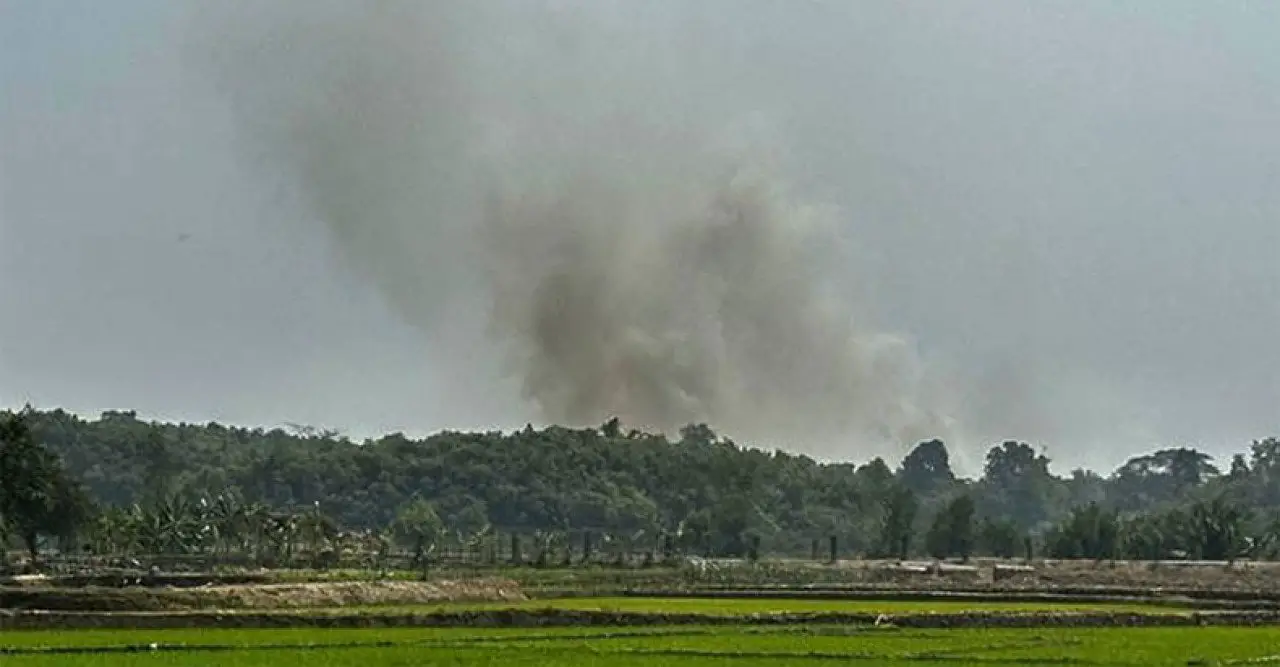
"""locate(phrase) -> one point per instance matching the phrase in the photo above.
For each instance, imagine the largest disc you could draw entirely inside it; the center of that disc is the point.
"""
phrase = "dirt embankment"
(130, 578)
(268, 596)
(1054, 575)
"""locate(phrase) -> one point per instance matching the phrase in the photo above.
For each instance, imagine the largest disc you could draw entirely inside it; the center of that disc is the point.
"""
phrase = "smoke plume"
(596, 184)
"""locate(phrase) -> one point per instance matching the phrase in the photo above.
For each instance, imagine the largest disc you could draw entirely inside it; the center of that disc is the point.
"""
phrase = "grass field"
(739, 646)
(734, 642)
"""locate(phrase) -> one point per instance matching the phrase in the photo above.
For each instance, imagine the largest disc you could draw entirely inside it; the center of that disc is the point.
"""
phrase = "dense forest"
(700, 493)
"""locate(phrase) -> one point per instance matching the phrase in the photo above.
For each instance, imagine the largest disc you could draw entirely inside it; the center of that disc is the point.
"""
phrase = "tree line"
(120, 485)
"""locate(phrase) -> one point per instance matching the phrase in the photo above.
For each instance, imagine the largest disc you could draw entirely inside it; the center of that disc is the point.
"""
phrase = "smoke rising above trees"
(627, 238)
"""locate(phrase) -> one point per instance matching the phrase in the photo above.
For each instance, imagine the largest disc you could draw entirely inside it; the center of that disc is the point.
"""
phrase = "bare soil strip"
(127, 578)
(268, 596)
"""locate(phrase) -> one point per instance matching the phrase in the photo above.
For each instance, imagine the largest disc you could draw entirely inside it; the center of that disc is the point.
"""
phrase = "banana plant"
(228, 521)
(168, 526)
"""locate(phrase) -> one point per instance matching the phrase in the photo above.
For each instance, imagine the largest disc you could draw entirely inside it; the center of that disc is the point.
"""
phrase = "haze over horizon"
(1055, 223)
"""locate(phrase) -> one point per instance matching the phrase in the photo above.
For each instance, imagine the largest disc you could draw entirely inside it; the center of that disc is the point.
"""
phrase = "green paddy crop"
(734, 645)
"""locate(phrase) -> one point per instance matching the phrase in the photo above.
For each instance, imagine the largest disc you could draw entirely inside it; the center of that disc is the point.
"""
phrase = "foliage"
(952, 531)
(1162, 476)
(37, 498)
(6, 535)
(1215, 529)
(228, 492)
(1018, 485)
(418, 527)
(927, 469)
(743, 644)
(1090, 532)
(999, 537)
(897, 527)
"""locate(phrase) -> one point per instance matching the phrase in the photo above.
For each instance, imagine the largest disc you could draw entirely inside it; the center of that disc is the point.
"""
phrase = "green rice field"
(691, 645)
(697, 643)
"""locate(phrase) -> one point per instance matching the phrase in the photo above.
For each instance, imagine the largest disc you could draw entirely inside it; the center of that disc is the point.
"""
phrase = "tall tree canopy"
(701, 491)
(927, 468)
(37, 498)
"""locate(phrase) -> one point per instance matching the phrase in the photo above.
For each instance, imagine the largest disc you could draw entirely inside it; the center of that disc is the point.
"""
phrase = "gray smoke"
(595, 186)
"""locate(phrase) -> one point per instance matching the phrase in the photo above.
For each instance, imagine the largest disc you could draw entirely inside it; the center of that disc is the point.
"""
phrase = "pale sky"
(1072, 207)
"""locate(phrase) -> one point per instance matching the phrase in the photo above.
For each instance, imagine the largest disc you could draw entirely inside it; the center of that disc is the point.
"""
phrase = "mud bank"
(268, 596)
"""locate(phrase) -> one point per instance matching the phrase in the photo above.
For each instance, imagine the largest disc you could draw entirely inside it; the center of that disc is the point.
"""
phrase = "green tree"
(37, 497)
(1145, 537)
(160, 469)
(1239, 468)
(6, 536)
(1216, 529)
(611, 428)
(899, 508)
(999, 537)
(1018, 484)
(1264, 466)
(926, 470)
(731, 518)
(1162, 476)
(693, 534)
(419, 527)
(952, 531)
(1266, 539)
(605, 482)
(1089, 532)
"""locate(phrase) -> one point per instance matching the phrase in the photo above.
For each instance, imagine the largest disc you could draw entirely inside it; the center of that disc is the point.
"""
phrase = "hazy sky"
(1070, 208)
